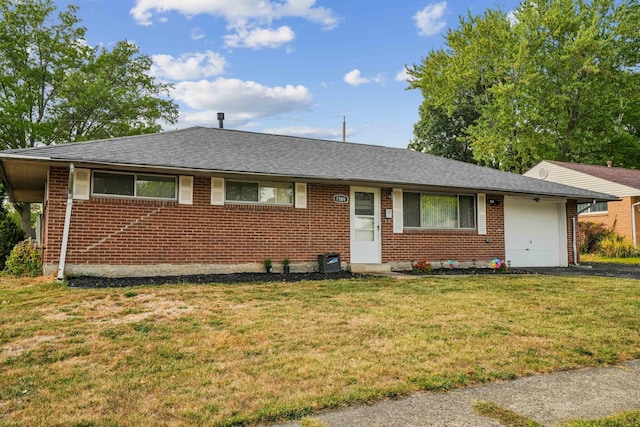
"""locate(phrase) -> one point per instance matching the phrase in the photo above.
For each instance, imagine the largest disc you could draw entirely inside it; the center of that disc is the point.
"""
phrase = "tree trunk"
(24, 209)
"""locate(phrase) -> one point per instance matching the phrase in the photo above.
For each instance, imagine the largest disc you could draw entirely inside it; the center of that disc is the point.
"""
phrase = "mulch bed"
(468, 271)
(121, 282)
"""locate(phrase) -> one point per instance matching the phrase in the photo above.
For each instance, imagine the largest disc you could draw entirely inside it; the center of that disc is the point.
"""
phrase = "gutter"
(574, 219)
(67, 224)
(633, 223)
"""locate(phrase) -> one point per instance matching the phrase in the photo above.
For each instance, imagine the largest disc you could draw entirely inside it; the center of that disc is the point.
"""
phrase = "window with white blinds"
(438, 211)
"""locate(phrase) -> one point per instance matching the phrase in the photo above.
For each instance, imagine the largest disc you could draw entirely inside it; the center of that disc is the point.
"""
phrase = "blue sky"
(293, 67)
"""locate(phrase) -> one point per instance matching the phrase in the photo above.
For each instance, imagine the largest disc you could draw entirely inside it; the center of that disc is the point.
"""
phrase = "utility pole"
(344, 128)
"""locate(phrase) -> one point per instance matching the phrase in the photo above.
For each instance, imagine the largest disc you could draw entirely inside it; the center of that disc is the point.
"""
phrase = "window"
(133, 185)
(438, 211)
(596, 208)
(269, 193)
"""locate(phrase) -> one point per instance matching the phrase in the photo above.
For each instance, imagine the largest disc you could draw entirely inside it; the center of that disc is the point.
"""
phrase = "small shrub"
(591, 234)
(421, 267)
(10, 235)
(25, 259)
(617, 247)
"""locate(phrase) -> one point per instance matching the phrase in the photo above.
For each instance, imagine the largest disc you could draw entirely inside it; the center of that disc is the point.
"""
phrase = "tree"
(10, 233)
(558, 79)
(54, 88)
(444, 134)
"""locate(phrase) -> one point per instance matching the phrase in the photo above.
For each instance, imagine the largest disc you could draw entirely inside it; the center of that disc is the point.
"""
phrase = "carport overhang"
(25, 179)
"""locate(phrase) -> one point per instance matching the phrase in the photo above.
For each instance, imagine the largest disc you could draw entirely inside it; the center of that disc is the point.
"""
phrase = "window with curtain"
(438, 211)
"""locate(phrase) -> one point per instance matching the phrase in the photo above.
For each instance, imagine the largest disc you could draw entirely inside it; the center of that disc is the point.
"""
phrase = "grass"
(600, 258)
(509, 418)
(504, 416)
(226, 355)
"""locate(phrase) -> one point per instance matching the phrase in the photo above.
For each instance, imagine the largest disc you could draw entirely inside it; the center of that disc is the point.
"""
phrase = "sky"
(290, 67)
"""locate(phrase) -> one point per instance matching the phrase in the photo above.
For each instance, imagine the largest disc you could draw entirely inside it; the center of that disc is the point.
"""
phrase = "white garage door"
(535, 233)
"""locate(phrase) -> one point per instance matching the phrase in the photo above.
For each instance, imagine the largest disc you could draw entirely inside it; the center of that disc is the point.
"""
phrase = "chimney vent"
(609, 163)
(221, 120)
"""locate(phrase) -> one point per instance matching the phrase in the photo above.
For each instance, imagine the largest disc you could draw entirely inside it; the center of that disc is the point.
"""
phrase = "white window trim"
(218, 190)
(135, 179)
(82, 184)
(398, 214)
(300, 195)
(185, 190)
(481, 213)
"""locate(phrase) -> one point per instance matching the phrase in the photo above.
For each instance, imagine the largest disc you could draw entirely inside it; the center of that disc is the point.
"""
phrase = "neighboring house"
(623, 215)
(204, 200)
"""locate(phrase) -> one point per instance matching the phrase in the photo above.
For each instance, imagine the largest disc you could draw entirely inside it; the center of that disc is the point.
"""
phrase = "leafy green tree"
(10, 232)
(54, 88)
(558, 79)
(444, 134)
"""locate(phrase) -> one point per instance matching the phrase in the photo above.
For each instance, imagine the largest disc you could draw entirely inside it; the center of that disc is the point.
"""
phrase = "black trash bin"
(329, 263)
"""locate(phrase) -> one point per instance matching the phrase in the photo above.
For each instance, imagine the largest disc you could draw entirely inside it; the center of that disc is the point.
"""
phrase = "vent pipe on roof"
(609, 163)
(221, 120)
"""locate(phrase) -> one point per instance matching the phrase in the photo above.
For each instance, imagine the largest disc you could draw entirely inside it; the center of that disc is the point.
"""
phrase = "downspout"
(574, 220)
(633, 222)
(67, 224)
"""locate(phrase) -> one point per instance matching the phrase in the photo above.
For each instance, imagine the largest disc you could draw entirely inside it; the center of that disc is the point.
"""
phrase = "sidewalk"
(547, 399)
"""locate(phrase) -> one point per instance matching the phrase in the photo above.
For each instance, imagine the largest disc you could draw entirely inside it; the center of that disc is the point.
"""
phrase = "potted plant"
(286, 268)
(268, 265)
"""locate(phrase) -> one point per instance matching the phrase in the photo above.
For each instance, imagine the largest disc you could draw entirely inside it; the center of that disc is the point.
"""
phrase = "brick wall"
(435, 245)
(128, 232)
(618, 216)
(114, 231)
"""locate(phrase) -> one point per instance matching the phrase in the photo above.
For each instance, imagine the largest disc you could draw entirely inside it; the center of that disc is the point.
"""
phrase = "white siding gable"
(556, 173)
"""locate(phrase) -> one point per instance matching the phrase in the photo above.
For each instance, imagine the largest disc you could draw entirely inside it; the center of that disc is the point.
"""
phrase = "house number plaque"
(340, 198)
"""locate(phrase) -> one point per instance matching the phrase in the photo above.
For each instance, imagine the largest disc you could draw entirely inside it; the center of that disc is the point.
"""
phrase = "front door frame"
(372, 255)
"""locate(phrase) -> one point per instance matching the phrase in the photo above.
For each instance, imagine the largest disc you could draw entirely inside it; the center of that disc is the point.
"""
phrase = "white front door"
(365, 225)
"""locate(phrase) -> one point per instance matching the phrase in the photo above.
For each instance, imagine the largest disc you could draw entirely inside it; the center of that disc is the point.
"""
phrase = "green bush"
(25, 259)
(591, 234)
(10, 235)
(617, 247)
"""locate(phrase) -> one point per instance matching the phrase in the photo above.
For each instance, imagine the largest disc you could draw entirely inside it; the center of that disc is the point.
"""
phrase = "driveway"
(624, 271)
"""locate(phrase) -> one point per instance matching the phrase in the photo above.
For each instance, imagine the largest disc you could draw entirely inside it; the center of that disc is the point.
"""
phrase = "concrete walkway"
(547, 399)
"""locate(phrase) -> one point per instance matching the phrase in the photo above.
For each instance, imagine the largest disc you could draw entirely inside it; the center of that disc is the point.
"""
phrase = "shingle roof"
(629, 177)
(224, 150)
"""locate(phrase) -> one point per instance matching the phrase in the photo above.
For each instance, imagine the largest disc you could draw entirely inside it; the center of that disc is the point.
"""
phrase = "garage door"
(535, 233)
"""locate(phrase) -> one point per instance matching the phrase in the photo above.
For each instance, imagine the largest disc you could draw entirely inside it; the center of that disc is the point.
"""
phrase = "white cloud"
(240, 100)
(260, 37)
(354, 78)
(249, 19)
(197, 33)
(430, 19)
(512, 18)
(310, 132)
(189, 66)
(402, 76)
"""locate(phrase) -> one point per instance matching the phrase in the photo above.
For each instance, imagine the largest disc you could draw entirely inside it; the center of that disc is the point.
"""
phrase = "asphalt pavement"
(603, 269)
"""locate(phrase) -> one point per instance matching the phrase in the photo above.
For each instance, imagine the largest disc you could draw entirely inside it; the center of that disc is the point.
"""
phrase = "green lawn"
(599, 258)
(227, 355)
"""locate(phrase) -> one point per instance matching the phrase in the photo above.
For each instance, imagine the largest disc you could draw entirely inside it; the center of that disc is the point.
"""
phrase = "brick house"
(622, 215)
(204, 200)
